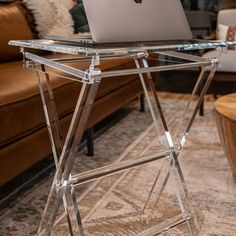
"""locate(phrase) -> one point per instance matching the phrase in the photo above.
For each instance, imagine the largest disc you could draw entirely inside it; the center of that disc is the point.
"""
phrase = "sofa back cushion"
(227, 17)
(13, 25)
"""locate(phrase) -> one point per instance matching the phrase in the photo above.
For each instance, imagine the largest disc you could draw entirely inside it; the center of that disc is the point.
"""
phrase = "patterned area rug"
(114, 205)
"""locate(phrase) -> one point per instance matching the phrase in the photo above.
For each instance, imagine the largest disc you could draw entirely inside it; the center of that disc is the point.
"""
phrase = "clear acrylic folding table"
(170, 56)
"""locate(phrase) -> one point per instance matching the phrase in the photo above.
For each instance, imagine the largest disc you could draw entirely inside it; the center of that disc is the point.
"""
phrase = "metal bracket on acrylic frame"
(62, 189)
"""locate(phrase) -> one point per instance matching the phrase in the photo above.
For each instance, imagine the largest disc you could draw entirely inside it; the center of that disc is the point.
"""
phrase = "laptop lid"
(136, 20)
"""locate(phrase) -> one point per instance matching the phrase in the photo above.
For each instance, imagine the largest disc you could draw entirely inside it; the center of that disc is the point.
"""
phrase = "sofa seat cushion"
(227, 60)
(20, 103)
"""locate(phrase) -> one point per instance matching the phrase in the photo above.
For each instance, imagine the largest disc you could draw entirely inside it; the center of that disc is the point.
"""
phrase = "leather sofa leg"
(201, 109)
(90, 139)
(142, 102)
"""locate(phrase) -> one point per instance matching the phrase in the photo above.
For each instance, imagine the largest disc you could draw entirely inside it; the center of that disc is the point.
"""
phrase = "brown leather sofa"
(24, 138)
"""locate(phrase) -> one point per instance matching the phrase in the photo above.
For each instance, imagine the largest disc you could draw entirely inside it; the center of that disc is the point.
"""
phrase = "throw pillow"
(80, 20)
(226, 33)
(52, 17)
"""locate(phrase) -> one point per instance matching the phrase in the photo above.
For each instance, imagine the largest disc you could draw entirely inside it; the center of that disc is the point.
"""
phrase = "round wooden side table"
(225, 108)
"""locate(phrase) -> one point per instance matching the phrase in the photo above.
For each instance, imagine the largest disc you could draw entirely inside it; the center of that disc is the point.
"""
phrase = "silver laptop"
(121, 21)
(136, 20)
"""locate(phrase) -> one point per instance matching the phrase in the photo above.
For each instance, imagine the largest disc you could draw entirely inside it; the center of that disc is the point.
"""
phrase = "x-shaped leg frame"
(173, 168)
(65, 152)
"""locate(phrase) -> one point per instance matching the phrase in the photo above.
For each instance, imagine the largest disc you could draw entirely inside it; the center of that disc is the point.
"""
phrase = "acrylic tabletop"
(118, 48)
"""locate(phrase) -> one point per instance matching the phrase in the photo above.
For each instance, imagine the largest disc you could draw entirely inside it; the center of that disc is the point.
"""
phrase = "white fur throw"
(52, 17)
